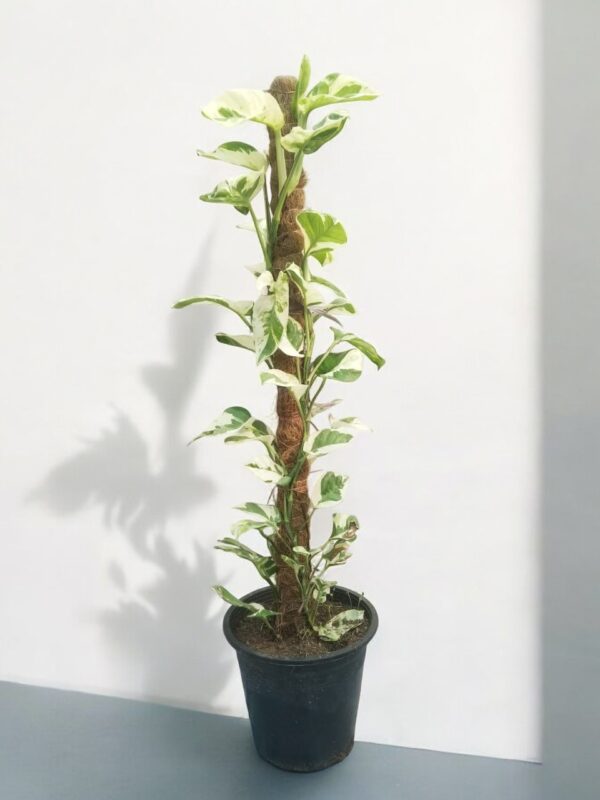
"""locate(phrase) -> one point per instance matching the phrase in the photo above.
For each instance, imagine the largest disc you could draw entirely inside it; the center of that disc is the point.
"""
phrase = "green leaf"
(253, 430)
(340, 625)
(328, 489)
(308, 290)
(243, 308)
(245, 105)
(232, 419)
(294, 338)
(309, 140)
(345, 366)
(321, 442)
(321, 229)
(281, 378)
(238, 192)
(303, 79)
(270, 317)
(335, 88)
(246, 342)
(238, 153)
(360, 344)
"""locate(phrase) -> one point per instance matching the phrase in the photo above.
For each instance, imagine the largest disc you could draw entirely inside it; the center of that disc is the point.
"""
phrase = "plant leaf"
(270, 317)
(265, 565)
(341, 624)
(360, 344)
(245, 105)
(232, 419)
(323, 441)
(345, 366)
(328, 489)
(309, 140)
(255, 608)
(268, 471)
(267, 512)
(238, 192)
(347, 424)
(246, 342)
(321, 229)
(239, 153)
(303, 79)
(243, 308)
(286, 379)
(335, 88)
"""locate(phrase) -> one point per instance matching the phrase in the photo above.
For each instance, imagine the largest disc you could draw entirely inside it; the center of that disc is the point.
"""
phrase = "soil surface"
(255, 634)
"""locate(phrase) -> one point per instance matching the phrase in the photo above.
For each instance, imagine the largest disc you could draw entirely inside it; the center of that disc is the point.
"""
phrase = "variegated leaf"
(264, 565)
(255, 609)
(245, 105)
(239, 153)
(232, 419)
(345, 366)
(238, 192)
(328, 489)
(360, 344)
(325, 440)
(270, 317)
(243, 308)
(281, 378)
(347, 424)
(341, 624)
(245, 341)
(309, 140)
(335, 88)
(268, 471)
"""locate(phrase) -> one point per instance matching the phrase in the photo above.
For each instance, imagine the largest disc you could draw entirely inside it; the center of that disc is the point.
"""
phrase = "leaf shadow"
(163, 632)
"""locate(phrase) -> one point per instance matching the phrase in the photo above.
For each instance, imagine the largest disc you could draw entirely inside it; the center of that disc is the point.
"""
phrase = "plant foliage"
(269, 328)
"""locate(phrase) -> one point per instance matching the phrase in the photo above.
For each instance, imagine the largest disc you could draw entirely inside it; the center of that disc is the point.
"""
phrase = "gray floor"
(69, 746)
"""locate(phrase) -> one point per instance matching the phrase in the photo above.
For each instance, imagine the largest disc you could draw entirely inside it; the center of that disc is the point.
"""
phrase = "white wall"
(107, 519)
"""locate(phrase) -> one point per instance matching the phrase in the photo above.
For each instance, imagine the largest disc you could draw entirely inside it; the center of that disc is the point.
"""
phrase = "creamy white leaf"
(341, 624)
(345, 366)
(238, 192)
(328, 489)
(244, 105)
(239, 153)
(309, 140)
(270, 317)
(245, 341)
(285, 379)
(335, 88)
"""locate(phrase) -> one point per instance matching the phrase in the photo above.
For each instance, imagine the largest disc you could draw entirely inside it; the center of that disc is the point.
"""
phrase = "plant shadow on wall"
(162, 630)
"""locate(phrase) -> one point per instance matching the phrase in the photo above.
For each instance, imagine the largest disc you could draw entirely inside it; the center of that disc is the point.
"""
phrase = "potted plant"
(301, 639)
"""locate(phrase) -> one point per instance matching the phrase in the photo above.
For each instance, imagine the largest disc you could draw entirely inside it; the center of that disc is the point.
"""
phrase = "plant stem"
(280, 158)
(263, 244)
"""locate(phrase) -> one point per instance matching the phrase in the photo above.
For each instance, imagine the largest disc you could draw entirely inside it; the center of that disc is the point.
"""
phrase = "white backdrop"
(108, 520)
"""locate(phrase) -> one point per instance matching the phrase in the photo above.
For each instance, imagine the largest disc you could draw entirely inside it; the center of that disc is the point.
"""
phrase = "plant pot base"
(303, 710)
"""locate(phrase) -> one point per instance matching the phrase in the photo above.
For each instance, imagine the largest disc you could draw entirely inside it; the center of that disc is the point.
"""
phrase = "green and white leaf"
(245, 341)
(337, 306)
(256, 609)
(335, 88)
(325, 440)
(309, 140)
(232, 419)
(319, 408)
(360, 344)
(281, 378)
(238, 192)
(268, 471)
(345, 525)
(245, 105)
(340, 625)
(347, 424)
(303, 80)
(270, 317)
(328, 490)
(243, 308)
(310, 293)
(328, 284)
(253, 430)
(293, 339)
(321, 230)
(239, 153)
(345, 366)
(265, 565)
(267, 512)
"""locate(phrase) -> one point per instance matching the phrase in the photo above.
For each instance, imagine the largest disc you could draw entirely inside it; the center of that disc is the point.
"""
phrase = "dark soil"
(255, 634)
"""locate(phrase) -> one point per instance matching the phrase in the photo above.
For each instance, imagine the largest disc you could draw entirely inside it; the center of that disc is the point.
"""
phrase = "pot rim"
(258, 594)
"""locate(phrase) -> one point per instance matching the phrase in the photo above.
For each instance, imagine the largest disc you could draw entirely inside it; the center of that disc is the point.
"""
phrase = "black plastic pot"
(302, 710)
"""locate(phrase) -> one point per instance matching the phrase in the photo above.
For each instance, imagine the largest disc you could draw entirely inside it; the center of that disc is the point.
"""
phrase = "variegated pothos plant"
(269, 328)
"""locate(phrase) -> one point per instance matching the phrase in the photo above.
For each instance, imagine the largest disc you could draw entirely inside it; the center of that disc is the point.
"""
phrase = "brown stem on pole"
(287, 249)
